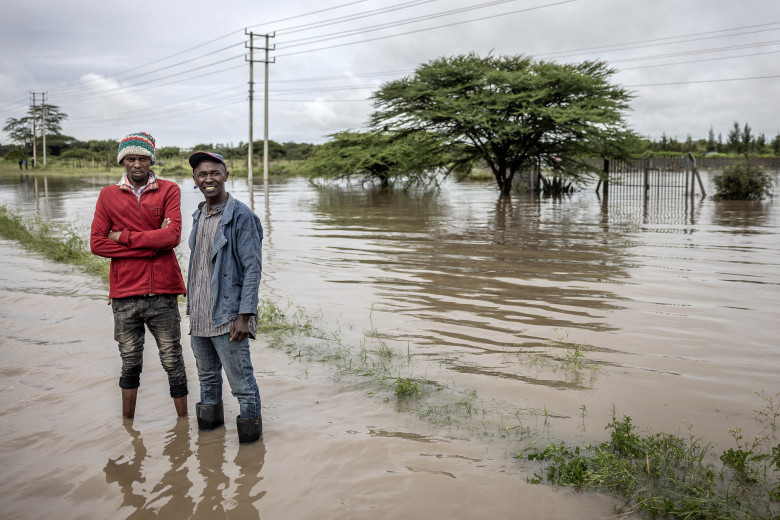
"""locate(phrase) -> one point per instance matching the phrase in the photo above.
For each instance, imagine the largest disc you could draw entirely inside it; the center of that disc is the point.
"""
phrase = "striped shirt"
(199, 292)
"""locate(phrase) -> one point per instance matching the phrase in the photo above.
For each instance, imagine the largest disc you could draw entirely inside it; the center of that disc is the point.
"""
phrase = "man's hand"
(165, 223)
(240, 329)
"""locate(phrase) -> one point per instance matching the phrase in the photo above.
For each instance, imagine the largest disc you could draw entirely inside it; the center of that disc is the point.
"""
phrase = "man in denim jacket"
(222, 297)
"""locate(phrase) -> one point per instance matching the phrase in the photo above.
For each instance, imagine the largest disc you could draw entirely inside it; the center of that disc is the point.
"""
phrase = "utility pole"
(251, 60)
(43, 124)
(265, 114)
(251, 99)
(33, 131)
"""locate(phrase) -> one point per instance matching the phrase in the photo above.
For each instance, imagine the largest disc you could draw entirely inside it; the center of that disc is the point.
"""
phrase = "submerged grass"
(370, 361)
(671, 476)
(61, 244)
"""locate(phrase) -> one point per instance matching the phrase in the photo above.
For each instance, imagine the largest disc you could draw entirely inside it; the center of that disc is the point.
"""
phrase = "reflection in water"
(210, 452)
(249, 460)
(172, 495)
(481, 281)
(130, 472)
(168, 498)
(743, 217)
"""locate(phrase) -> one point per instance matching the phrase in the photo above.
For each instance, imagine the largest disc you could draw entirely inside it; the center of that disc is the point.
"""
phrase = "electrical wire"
(453, 24)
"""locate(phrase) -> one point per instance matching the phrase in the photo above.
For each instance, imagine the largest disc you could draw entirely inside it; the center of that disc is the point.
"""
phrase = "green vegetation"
(562, 355)
(743, 181)
(512, 112)
(59, 244)
(671, 476)
(739, 141)
(372, 362)
(408, 387)
(20, 130)
(386, 158)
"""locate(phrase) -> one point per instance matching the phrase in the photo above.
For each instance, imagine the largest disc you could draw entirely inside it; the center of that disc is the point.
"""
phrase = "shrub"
(743, 181)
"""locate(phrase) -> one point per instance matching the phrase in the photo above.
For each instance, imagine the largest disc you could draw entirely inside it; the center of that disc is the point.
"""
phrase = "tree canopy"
(379, 156)
(511, 112)
(20, 130)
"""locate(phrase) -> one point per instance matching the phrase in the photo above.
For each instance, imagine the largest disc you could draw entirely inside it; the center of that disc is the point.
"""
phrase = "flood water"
(672, 301)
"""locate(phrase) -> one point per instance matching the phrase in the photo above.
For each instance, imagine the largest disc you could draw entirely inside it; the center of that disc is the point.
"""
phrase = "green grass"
(670, 476)
(64, 245)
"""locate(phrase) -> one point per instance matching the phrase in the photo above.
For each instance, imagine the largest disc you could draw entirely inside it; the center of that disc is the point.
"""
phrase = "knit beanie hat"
(139, 143)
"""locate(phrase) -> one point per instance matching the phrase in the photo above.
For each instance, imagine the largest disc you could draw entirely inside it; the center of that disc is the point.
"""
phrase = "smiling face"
(210, 177)
(137, 168)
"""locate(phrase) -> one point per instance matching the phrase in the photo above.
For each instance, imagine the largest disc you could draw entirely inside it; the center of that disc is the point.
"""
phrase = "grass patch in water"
(671, 476)
(61, 244)
(370, 361)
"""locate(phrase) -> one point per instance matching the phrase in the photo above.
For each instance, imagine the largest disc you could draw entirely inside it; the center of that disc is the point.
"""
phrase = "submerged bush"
(743, 181)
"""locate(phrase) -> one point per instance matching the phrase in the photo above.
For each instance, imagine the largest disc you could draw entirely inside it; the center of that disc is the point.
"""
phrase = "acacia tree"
(20, 130)
(512, 112)
(380, 156)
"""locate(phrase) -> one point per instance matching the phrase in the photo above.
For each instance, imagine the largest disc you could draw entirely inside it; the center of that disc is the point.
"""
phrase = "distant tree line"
(740, 140)
(86, 153)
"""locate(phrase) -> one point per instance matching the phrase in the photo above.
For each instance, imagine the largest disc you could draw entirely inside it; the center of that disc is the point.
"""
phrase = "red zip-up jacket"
(142, 260)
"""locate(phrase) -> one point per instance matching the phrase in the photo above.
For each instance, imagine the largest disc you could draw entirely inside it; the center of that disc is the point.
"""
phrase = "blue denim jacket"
(237, 262)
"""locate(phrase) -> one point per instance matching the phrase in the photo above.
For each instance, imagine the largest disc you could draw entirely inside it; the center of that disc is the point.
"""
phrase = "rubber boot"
(181, 405)
(250, 429)
(210, 416)
(129, 396)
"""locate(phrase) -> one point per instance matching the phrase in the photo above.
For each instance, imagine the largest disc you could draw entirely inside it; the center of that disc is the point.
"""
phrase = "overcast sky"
(177, 69)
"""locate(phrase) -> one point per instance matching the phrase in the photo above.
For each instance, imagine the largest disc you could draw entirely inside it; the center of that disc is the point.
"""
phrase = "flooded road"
(533, 315)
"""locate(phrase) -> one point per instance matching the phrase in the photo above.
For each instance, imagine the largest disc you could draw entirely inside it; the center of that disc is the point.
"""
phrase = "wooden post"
(695, 171)
(605, 187)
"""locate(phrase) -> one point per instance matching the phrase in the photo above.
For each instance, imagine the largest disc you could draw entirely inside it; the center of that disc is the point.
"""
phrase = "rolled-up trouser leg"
(164, 322)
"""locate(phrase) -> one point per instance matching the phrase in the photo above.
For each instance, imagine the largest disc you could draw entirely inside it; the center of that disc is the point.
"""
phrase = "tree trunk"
(503, 181)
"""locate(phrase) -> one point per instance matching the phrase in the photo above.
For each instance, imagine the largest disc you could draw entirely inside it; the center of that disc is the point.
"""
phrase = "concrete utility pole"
(251, 60)
(33, 122)
(43, 124)
(265, 115)
(251, 100)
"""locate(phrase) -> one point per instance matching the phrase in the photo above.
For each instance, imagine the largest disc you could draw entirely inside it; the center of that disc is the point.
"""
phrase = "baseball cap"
(199, 156)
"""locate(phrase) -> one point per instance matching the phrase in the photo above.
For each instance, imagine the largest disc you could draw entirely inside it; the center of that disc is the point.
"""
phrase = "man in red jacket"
(137, 225)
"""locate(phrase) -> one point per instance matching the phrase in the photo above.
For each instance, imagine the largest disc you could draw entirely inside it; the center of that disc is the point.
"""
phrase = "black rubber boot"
(210, 416)
(250, 429)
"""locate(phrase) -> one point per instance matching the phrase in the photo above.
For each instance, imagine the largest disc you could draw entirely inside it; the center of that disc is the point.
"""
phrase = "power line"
(372, 28)
(353, 17)
(430, 28)
(701, 81)
(622, 46)
(136, 69)
(697, 51)
(699, 61)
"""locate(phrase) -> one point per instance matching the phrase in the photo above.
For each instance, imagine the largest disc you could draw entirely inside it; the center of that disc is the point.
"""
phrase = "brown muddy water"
(673, 304)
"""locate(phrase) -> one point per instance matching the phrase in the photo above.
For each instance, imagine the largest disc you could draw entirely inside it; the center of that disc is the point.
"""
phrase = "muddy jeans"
(160, 313)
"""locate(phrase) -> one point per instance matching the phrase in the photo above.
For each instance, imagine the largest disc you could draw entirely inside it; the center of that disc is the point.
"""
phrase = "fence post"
(695, 172)
(605, 185)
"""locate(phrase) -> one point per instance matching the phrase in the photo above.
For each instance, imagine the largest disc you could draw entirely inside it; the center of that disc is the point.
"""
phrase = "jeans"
(160, 313)
(212, 354)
